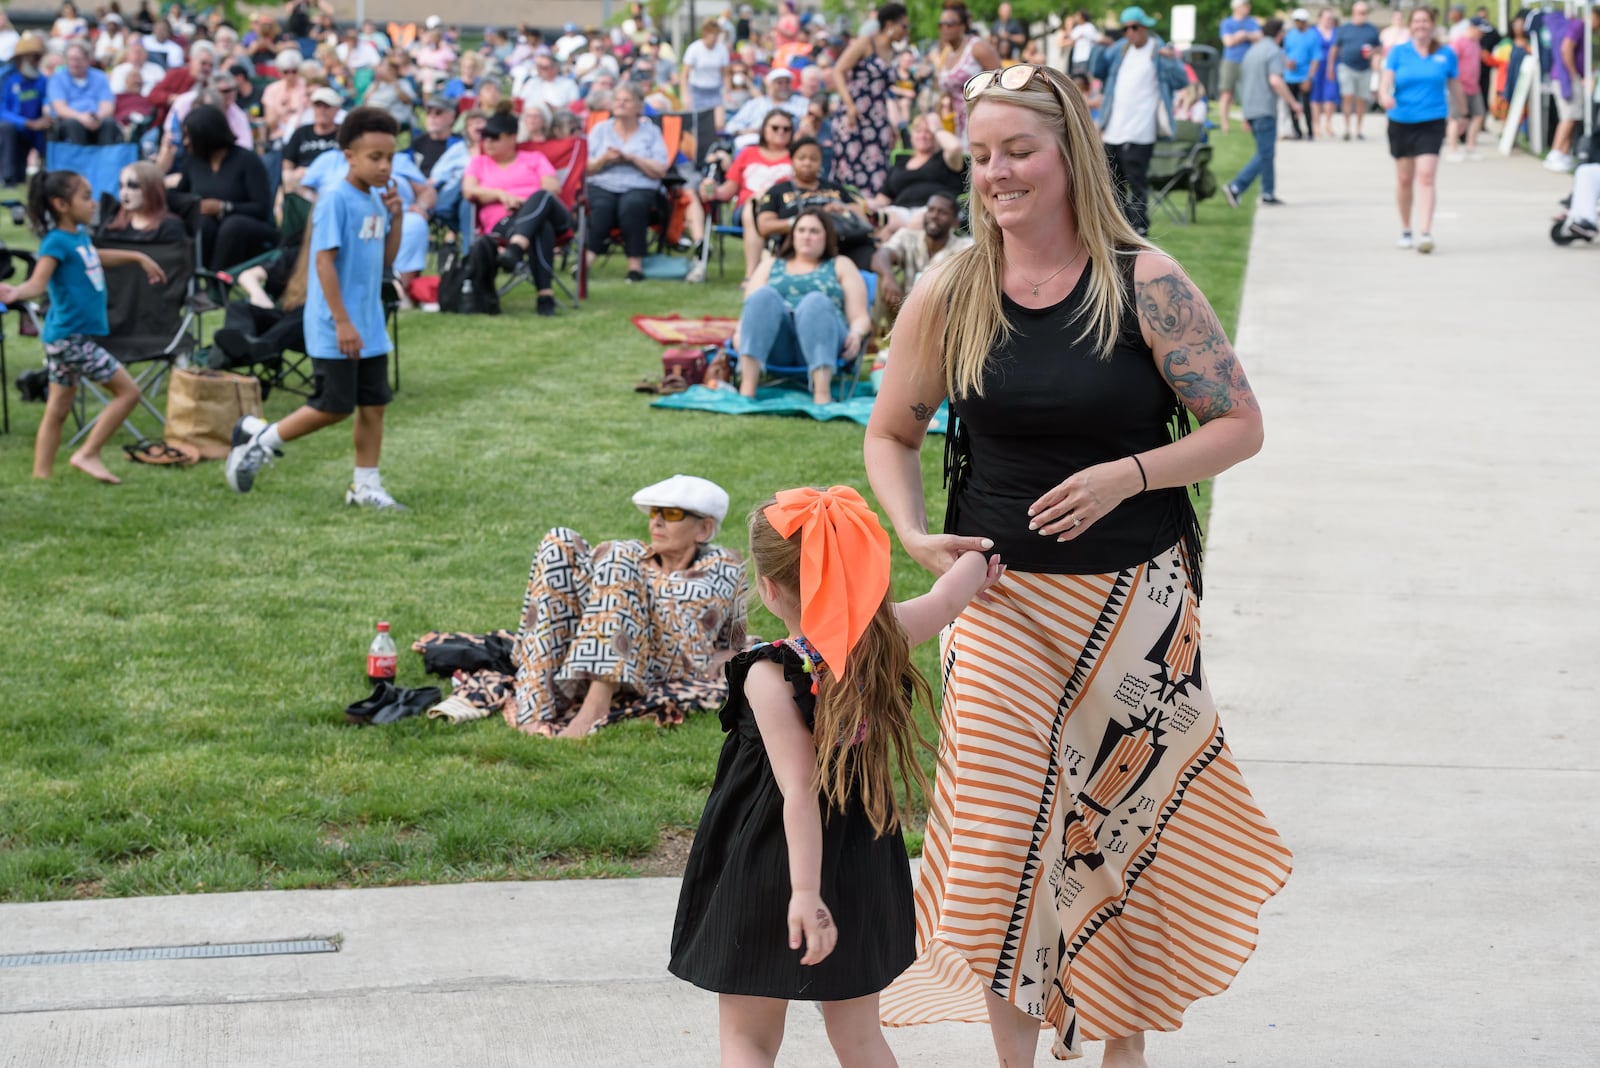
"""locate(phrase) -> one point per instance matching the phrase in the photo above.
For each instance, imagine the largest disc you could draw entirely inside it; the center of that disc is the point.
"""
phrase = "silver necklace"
(1049, 276)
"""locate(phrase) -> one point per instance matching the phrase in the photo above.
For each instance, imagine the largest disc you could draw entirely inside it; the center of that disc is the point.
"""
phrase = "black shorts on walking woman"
(1408, 140)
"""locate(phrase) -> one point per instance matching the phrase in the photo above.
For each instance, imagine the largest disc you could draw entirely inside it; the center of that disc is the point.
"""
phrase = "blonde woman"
(1093, 859)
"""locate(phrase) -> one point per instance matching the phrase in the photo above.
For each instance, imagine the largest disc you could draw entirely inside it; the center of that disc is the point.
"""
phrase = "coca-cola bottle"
(381, 657)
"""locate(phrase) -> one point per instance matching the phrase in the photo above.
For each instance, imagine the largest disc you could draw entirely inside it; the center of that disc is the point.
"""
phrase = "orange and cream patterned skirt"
(1092, 854)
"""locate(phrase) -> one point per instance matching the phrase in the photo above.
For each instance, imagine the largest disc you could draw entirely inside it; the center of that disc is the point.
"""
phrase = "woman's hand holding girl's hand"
(810, 919)
(152, 270)
(939, 552)
(1073, 507)
(970, 575)
(8, 293)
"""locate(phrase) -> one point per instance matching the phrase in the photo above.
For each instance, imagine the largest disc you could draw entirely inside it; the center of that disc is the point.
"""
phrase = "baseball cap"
(1300, 15)
(330, 97)
(439, 103)
(500, 124)
(780, 72)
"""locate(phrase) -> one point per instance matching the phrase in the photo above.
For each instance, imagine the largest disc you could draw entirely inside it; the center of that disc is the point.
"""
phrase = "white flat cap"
(698, 495)
(1300, 15)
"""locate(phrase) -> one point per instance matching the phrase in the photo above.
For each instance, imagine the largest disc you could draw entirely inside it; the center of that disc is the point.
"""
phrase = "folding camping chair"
(1181, 167)
(10, 263)
(151, 328)
(570, 157)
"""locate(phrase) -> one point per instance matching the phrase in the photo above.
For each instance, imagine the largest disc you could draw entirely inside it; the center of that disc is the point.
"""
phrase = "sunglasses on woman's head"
(1015, 78)
(672, 515)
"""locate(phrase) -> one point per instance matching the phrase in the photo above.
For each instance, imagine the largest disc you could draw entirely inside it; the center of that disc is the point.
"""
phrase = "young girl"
(798, 886)
(69, 268)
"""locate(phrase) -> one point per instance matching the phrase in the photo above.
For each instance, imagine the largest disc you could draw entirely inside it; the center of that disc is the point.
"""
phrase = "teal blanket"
(782, 400)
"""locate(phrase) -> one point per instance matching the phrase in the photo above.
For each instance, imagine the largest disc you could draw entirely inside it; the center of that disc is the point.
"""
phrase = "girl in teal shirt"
(60, 206)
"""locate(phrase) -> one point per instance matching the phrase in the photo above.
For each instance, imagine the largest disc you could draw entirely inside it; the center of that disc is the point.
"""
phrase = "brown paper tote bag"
(203, 405)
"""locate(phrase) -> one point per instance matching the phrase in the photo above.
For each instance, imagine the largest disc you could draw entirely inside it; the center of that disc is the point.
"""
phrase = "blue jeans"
(1265, 132)
(453, 208)
(773, 334)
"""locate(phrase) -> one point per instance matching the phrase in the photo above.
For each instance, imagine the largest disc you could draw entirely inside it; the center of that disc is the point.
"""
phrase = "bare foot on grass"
(95, 468)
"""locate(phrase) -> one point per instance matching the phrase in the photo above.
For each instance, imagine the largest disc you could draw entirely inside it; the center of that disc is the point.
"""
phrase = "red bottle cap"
(383, 628)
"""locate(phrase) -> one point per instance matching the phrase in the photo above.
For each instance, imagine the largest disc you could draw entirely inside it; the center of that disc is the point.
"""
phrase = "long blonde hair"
(861, 717)
(969, 318)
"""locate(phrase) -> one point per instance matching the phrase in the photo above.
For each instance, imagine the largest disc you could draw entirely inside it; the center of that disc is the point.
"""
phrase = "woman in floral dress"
(864, 77)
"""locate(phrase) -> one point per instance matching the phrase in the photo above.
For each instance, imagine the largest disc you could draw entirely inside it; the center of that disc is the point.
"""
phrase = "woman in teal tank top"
(806, 307)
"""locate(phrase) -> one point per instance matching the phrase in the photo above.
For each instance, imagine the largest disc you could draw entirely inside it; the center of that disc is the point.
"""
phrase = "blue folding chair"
(845, 383)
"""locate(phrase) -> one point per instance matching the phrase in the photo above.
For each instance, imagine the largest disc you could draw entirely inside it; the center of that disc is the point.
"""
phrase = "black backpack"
(466, 283)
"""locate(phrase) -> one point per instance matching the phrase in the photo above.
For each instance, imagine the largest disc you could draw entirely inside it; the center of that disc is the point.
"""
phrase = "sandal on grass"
(159, 454)
(674, 384)
(648, 385)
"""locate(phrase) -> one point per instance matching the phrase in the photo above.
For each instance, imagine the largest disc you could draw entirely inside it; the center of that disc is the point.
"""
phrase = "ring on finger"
(1076, 520)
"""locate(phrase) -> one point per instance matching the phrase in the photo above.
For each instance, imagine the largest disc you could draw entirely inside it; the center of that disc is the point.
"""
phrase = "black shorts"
(1408, 140)
(341, 386)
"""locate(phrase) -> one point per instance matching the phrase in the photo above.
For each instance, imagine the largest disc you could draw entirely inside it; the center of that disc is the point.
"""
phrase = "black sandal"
(158, 454)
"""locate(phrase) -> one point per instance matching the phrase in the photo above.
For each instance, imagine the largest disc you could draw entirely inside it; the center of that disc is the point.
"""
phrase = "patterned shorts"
(78, 356)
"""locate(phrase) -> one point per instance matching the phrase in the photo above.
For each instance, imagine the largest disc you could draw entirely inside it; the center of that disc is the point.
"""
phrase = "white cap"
(433, 22)
(326, 95)
(698, 495)
(288, 59)
(1300, 15)
(780, 72)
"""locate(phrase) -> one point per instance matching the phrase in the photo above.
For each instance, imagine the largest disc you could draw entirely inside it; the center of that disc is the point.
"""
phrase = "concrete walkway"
(1397, 621)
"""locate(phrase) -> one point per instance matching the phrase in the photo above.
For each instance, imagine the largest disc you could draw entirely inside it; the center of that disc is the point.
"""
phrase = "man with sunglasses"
(1141, 74)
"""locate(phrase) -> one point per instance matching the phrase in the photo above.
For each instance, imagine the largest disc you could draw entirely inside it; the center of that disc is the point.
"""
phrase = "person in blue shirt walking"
(60, 207)
(1239, 32)
(355, 235)
(1261, 86)
(1302, 60)
(23, 120)
(1355, 45)
(1419, 87)
(81, 101)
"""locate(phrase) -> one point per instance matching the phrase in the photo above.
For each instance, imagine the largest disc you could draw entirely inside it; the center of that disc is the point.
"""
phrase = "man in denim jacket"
(1141, 73)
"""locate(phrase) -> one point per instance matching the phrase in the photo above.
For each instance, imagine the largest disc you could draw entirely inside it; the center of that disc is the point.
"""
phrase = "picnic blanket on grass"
(779, 399)
(676, 330)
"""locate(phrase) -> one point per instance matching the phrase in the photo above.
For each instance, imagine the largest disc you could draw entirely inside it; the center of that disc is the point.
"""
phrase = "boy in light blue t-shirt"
(355, 234)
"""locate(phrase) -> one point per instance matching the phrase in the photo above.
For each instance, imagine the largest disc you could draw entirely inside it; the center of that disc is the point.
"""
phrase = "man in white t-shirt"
(1140, 75)
(547, 87)
(705, 69)
(1084, 35)
(136, 58)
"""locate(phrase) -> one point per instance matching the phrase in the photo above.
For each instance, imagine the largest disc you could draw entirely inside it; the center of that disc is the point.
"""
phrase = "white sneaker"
(1559, 162)
(248, 455)
(1455, 156)
(1405, 240)
(697, 274)
(372, 497)
(1425, 243)
(1474, 156)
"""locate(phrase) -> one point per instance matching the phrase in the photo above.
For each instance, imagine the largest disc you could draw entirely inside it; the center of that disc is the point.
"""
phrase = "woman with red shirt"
(755, 170)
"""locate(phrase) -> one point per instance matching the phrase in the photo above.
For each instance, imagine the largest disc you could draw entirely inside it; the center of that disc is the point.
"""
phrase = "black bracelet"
(1143, 479)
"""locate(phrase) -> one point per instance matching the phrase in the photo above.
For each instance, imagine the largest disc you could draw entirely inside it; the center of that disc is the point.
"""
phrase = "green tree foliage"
(925, 14)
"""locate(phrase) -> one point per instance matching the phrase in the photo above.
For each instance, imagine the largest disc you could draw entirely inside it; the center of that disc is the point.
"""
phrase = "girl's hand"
(810, 918)
(939, 552)
(970, 575)
(152, 270)
(8, 294)
(1075, 505)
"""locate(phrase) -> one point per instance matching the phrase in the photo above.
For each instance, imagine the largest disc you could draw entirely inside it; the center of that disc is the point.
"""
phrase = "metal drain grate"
(203, 951)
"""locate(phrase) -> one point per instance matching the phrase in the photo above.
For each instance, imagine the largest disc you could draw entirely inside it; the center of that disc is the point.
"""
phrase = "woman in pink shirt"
(519, 202)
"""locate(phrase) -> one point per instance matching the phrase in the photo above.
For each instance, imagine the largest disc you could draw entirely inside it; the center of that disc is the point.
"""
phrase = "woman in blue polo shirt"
(1419, 84)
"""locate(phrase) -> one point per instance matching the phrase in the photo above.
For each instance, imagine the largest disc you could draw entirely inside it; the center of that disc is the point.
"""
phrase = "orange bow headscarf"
(844, 565)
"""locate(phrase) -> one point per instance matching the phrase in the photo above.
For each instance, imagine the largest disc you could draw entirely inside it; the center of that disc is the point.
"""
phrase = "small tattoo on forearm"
(922, 412)
(823, 922)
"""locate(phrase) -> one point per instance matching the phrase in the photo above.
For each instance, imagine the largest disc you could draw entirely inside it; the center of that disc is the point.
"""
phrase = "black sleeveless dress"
(731, 935)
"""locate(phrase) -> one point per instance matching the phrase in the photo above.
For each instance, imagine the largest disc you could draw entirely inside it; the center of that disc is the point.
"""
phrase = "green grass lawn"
(178, 656)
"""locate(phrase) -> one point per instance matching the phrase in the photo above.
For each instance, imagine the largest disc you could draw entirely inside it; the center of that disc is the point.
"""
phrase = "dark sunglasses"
(673, 515)
(1135, 26)
(1014, 78)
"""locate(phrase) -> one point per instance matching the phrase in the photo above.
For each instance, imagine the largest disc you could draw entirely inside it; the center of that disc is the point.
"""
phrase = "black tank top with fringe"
(1051, 406)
